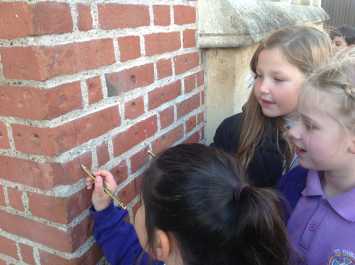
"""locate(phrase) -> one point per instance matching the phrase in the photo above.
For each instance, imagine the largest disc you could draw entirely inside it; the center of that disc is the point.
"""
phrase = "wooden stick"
(106, 190)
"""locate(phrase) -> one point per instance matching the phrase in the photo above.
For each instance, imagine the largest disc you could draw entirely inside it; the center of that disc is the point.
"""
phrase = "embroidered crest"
(342, 257)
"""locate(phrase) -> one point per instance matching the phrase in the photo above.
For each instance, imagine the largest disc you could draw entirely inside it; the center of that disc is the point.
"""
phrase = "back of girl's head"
(305, 47)
(194, 193)
(331, 88)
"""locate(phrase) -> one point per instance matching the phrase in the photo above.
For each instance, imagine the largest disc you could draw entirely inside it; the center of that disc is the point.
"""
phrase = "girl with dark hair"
(195, 211)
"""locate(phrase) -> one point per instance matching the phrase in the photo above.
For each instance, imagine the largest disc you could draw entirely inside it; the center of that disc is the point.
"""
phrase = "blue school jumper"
(117, 238)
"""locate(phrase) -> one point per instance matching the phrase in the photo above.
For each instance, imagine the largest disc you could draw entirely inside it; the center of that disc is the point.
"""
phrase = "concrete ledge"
(237, 23)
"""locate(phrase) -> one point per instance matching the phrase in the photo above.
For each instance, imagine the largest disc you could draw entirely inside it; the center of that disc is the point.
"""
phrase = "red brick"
(44, 62)
(158, 43)
(94, 89)
(128, 193)
(129, 48)
(38, 232)
(134, 108)
(2, 196)
(129, 79)
(38, 104)
(8, 247)
(102, 154)
(195, 138)
(190, 83)
(188, 105)
(43, 175)
(190, 124)
(134, 135)
(84, 17)
(161, 15)
(15, 199)
(51, 17)
(200, 78)
(168, 139)
(165, 68)
(27, 254)
(200, 118)
(120, 172)
(3, 262)
(166, 117)
(138, 160)
(15, 20)
(90, 257)
(4, 139)
(53, 141)
(184, 14)
(118, 16)
(59, 209)
(189, 39)
(164, 94)
(186, 62)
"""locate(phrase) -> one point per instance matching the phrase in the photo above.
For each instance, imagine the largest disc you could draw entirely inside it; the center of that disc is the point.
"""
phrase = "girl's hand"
(99, 198)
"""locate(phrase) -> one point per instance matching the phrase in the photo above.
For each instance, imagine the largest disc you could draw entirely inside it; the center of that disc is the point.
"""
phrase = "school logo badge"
(342, 257)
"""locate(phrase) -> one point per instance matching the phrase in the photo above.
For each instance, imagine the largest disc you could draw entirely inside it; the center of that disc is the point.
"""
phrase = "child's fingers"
(108, 178)
(89, 183)
(99, 185)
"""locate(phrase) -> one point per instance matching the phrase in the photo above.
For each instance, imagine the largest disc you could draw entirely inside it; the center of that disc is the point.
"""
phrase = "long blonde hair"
(304, 47)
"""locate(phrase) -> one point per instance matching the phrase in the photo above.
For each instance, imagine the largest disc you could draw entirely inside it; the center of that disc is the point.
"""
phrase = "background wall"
(93, 82)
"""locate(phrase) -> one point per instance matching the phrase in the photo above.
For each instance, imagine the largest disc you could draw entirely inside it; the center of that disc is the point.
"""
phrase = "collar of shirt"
(342, 204)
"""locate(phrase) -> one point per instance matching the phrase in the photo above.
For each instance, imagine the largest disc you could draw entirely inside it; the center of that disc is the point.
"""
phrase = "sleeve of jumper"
(117, 238)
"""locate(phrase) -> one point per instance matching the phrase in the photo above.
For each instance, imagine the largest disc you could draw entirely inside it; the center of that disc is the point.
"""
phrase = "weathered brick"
(44, 62)
(15, 20)
(128, 193)
(195, 138)
(164, 94)
(134, 108)
(166, 117)
(42, 175)
(190, 83)
(4, 139)
(189, 39)
(161, 15)
(158, 43)
(53, 141)
(94, 89)
(134, 135)
(184, 14)
(27, 254)
(129, 48)
(102, 154)
(190, 124)
(129, 79)
(38, 104)
(8, 247)
(51, 17)
(118, 16)
(188, 105)
(120, 172)
(91, 257)
(164, 68)
(84, 17)
(41, 233)
(59, 209)
(200, 78)
(21, 19)
(186, 62)
(139, 159)
(168, 139)
(2, 196)
(3, 262)
(15, 198)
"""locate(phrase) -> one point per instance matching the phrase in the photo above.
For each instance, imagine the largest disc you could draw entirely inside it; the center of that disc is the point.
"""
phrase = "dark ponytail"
(261, 234)
(194, 193)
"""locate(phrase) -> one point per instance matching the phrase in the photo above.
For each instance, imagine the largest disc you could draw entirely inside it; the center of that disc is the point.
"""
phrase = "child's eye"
(258, 76)
(309, 126)
(279, 79)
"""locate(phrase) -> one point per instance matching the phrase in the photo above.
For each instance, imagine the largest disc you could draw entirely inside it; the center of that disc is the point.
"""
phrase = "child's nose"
(265, 86)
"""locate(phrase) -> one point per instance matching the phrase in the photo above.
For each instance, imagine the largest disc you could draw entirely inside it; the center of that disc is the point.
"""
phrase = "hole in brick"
(36, 135)
(133, 103)
(19, 135)
(1, 135)
(133, 78)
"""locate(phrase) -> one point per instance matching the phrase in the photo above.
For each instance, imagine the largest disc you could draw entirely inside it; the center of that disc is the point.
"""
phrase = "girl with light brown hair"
(255, 137)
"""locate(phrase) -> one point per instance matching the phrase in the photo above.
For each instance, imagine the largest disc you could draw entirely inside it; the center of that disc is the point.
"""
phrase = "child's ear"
(162, 246)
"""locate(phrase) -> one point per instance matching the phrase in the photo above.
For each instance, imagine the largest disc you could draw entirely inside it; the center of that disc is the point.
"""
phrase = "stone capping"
(237, 23)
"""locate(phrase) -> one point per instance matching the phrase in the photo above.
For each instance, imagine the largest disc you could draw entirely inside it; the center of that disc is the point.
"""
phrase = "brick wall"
(97, 83)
